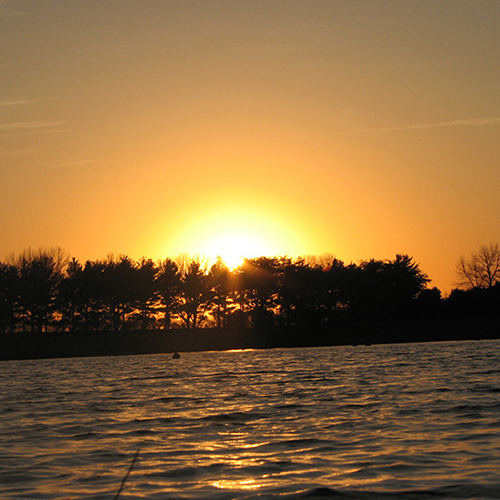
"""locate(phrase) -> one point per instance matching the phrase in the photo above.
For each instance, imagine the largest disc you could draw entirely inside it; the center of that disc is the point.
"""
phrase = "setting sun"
(236, 234)
(245, 128)
(233, 247)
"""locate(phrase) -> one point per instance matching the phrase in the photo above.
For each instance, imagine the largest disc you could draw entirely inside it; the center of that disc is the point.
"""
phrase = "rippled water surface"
(412, 421)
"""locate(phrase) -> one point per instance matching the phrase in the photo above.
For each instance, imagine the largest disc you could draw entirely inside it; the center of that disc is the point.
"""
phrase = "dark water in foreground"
(416, 421)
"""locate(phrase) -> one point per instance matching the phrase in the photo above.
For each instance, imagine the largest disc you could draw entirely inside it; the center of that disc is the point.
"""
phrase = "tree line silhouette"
(47, 291)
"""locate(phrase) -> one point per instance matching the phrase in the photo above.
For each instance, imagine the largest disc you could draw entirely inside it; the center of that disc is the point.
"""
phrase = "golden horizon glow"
(239, 129)
(235, 234)
(234, 247)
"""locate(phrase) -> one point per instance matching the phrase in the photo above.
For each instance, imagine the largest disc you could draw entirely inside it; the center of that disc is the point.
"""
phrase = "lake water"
(415, 421)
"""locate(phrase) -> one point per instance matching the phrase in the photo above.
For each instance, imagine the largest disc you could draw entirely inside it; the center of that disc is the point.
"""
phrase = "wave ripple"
(415, 421)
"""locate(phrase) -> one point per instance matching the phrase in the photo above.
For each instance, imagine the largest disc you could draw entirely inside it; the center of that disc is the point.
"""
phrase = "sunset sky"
(361, 128)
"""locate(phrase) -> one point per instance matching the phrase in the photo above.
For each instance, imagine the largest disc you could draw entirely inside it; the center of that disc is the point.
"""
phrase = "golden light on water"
(243, 484)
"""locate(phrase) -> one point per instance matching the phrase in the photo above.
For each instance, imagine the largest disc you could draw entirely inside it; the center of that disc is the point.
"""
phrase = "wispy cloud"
(20, 102)
(31, 127)
(28, 125)
(8, 153)
(265, 47)
(470, 122)
(71, 164)
(8, 9)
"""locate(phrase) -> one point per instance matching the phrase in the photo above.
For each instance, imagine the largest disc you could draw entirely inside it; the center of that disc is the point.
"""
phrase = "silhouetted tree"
(144, 291)
(9, 297)
(429, 302)
(120, 276)
(296, 281)
(258, 281)
(404, 282)
(385, 289)
(332, 299)
(108, 288)
(309, 291)
(94, 291)
(70, 297)
(40, 272)
(42, 290)
(364, 289)
(167, 286)
(468, 303)
(193, 293)
(481, 269)
(221, 282)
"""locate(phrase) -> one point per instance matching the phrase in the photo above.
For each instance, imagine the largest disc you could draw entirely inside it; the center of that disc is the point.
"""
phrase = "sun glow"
(233, 247)
(234, 235)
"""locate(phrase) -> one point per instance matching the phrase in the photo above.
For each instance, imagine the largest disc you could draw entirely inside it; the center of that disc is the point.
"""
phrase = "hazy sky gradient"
(145, 127)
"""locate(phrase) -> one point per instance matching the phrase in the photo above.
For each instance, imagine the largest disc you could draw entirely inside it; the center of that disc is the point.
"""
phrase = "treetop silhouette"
(46, 290)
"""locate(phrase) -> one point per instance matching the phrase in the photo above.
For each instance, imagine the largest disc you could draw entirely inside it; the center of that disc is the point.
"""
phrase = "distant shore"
(62, 345)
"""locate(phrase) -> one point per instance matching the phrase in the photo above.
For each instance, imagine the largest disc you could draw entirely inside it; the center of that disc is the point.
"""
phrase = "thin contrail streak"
(472, 122)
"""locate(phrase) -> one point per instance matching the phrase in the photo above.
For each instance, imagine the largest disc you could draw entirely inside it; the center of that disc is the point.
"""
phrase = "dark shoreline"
(20, 346)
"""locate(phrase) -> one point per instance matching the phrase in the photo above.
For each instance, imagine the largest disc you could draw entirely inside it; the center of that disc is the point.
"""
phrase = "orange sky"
(362, 128)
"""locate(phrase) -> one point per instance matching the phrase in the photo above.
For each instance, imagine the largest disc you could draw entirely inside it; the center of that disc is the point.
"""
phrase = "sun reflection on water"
(242, 484)
(259, 424)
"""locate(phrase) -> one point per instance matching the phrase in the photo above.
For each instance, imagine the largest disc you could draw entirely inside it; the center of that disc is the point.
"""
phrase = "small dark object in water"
(176, 355)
